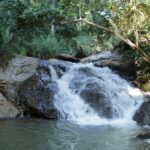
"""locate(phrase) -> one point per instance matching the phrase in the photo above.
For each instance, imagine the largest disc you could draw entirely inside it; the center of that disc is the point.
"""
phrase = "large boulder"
(142, 116)
(120, 66)
(94, 95)
(7, 109)
(28, 84)
(37, 97)
(115, 61)
(19, 70)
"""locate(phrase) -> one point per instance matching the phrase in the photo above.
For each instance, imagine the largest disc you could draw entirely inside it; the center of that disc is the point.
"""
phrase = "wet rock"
(114, 61)
(60, 66)
(87, 85)
(123, 67)
(81, 75)
(7, 109)
(94, 95)
(67, 57)
(99, 56)
(142, 116)
(143, 136)
(85, 71)
(27, 83)
(38, 97)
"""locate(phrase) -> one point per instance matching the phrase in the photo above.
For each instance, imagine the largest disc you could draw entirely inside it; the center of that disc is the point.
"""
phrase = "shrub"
(46, 46)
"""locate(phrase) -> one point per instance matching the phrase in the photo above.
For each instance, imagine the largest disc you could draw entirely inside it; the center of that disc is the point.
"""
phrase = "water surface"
(63, 135)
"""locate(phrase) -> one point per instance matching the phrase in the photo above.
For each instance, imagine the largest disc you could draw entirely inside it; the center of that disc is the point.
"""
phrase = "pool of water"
(63, 135)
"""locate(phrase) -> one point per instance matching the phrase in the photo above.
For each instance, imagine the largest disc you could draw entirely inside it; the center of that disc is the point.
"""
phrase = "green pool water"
(63, 135)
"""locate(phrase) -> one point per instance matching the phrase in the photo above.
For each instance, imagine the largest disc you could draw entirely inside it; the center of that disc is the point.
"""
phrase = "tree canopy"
(46, 27)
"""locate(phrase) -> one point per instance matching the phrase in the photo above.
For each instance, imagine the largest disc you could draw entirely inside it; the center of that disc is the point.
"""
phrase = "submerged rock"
(143, 136)
(7, 109)
(142, 116)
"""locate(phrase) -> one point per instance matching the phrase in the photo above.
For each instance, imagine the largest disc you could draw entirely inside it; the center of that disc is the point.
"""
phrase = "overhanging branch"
(117, 34)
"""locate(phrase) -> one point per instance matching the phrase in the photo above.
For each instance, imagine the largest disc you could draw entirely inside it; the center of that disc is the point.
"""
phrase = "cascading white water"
(124, 98)
(54, 75)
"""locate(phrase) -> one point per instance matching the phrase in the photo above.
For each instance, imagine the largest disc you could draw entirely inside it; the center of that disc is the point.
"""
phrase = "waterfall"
(121, 95)
(54, 75)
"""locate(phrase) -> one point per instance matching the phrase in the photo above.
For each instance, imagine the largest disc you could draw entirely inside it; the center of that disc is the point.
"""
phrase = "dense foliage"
(46, 28)
(38, 28)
